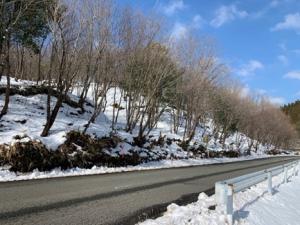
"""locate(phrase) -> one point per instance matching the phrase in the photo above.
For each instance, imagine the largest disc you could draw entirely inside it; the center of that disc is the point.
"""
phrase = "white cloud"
(296, 51)
(247, 91)
(249, 68)
(290, 22)
(179, 31)
(197, 21)
(293, 75)
(261, 91)
(264, 10)
(283, 59)
(173, 7)
(226, 14)
(277, 100)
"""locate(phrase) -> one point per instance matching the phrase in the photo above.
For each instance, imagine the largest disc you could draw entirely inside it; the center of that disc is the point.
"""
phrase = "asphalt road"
(120, 198)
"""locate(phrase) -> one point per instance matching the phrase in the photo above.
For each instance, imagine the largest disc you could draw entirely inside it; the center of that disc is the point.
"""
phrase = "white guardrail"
(224, 190)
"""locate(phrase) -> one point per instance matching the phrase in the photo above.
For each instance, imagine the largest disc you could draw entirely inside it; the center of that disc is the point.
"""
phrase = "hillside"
(95, 85)
(292, 110)
(22, 148)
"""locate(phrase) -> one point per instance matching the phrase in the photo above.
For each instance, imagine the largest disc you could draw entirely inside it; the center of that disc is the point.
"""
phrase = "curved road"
(121, 198)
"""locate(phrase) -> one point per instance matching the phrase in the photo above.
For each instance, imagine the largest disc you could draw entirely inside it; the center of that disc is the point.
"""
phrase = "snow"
(252, 207)
(6, 175)
(14, 82)
(27, 115)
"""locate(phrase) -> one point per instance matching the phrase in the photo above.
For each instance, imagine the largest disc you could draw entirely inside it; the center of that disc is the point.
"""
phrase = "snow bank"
(6, 175)
(253, 206)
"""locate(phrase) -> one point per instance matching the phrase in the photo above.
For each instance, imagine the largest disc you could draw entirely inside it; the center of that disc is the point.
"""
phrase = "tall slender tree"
(21, 22)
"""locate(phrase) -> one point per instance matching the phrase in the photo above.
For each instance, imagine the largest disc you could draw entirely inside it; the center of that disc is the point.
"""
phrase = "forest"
(96, 47)
(292, 110)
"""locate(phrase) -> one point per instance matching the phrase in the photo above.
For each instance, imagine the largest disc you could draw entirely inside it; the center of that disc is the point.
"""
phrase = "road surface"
(121, 198)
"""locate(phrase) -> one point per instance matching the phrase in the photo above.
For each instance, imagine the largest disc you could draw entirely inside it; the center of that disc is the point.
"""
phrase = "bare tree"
(64, 59)
(101, 64)
(136, 33)
(201, 74)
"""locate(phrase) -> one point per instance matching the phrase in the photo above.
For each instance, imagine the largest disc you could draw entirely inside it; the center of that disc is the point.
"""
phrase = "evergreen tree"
(22, 22)
(292, 110)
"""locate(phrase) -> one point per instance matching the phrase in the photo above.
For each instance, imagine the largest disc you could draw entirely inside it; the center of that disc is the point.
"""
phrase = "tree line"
(98, 46)
(292, 110)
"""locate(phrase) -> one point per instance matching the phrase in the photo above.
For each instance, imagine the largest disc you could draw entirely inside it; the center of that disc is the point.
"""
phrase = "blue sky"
(258, 39)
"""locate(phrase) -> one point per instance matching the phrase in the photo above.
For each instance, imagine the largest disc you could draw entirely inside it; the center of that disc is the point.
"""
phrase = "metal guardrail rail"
(224, 190)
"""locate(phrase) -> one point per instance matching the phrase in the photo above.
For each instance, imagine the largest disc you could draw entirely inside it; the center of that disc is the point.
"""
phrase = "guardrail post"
(270, 189)
(297, 168)
(285, 174)
(221, 194)
(294, 168)
(229, 204)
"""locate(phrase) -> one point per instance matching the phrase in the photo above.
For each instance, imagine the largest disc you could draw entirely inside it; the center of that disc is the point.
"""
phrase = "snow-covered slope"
(27, 115)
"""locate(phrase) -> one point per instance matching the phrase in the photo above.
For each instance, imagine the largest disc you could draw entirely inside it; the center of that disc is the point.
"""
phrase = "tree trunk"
(51, 118)
(91, 120)
(1, 62)
(83, 96)
(39, 77)
(191, 136)
(1, 71)
(7, 91)
(39, 68)
(97, 111)
(22, 64)
(114, 110)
